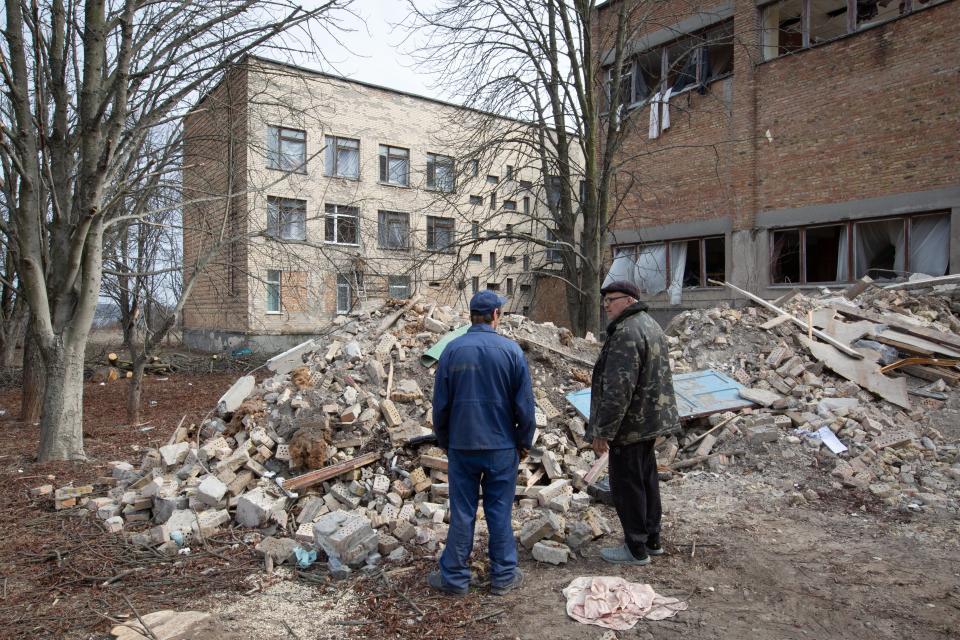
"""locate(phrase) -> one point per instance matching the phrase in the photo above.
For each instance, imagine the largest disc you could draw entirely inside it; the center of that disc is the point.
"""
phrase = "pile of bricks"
(332, 453)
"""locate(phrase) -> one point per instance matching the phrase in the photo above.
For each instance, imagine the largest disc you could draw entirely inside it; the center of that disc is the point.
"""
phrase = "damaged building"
(310, 195)
(785, 144)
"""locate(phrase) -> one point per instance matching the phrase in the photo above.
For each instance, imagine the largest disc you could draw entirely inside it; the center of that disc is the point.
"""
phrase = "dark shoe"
(504, 589)
(622, 555)
(654, 548)
(436, 581)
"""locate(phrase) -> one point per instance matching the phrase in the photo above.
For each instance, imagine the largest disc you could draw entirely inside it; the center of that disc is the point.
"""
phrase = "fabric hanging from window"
(930, 245)
(653, 131)
(678, 263)
(879, 248)
(843, 255)
(651, 272)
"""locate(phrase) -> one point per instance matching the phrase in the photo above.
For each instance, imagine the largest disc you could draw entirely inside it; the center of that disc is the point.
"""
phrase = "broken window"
(393, 230)
(871, 12)
(694, 262)
(718, 60)
(398, 287)
(828, 20)
(509, 286)
(526, 204)
(683, 56)
(493, 260)
(524, 288)
(342, 157)
(785, 257)
(623, 88)
(394, 165)
(286, 218)
(475, 284)
(440, 172)
(273, 291)
(510, 259)
(714, 261)
(344, 294)
(782, 28)
(341, 224)
(476, 200)
(287, 149)
(510, 170)
(493, 286)
(649, 73)
(439, 234)
(930, 244)
(880, 249)
(826, 251)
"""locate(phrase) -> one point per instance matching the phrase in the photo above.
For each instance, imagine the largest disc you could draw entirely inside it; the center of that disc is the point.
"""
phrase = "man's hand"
(600, 446)
(522, 453)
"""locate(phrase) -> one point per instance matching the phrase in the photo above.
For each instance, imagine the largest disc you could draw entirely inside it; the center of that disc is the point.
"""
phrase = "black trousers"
(636, 493)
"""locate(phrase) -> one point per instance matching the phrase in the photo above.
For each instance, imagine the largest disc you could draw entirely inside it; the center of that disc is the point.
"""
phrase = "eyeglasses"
(609, 300)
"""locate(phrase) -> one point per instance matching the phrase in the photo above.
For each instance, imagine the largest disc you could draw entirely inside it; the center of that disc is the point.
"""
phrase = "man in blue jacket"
(483, 415)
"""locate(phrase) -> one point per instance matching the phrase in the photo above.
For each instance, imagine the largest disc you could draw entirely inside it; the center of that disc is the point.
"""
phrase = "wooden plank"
(863, 372)
(322, 475)
(930, 282)
(787, 297)
(775, 322)
(931, 374)
(858, 287)
(800, 323)
(915, 344)
(527, 342)
(893, 320)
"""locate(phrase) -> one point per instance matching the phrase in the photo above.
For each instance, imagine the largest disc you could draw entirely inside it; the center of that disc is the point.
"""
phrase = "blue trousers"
(496, 471)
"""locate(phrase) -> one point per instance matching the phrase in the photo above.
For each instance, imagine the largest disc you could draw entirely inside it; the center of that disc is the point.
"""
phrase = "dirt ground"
(751, 559)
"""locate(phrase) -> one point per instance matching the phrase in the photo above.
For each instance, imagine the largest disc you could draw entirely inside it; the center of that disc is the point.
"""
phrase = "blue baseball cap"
(485, 302)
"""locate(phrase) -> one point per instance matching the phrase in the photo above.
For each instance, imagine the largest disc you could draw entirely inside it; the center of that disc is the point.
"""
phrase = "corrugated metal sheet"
(700, 393)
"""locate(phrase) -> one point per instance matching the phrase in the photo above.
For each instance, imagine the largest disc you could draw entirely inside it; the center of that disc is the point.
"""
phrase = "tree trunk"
(61, 425)
(135, 390)
(34, 379)
(12, 335)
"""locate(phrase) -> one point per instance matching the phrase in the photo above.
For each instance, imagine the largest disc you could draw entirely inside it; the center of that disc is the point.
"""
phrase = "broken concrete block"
(291, 358)
(211, 490)
(430, 324)
(174, 454)
(551, 491)
(404, 531)
(759, 396)
(551, 465)
(114, 524)
(536, 530)
(255, 508)
(350, 414)
(406, 391)
(380, 485)
(279, 550)
(210, 520)
(352, 351)
(706, 445)
(419, 479)
(551, 552)
(42, 490)
(386, 543)
(236, 394)
(762, 433)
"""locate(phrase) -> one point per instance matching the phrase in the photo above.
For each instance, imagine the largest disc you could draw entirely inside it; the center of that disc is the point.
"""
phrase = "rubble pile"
(333, 453)
(901, 444)
(331, 456)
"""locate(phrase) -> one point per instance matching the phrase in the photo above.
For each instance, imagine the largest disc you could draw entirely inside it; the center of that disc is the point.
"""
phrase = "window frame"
(277, 283)
(344, 283)
(278, 208)
(435, 160)
(383, 234)
(337, 216)
(668, 267)
(630, 66)
(275, 148)
(407, 287)
(385, 154)
(851, 230)
(852, 8)
(445, 222)
(333, 148)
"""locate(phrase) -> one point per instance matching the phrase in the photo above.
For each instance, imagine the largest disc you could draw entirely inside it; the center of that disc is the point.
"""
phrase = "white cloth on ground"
(614, 603)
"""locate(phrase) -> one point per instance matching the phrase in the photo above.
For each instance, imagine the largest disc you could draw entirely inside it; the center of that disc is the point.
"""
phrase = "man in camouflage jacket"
(632, 403)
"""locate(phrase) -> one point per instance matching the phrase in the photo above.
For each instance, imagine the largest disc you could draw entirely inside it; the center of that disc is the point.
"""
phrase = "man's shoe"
(504, 589)
(654, 548)
(622, 555)
(436, 581)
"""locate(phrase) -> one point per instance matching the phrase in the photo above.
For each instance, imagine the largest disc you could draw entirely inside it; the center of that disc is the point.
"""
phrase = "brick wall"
(871, 114)
(214, 157)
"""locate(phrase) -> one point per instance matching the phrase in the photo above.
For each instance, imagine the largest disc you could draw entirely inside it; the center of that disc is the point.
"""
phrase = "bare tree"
(555, 70)
(86, 83)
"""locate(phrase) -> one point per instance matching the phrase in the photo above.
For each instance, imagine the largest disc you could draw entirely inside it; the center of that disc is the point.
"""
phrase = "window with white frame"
(394, 165)
(344, 294)
(287, 149)
(440, 172)
(286, 218)
(554, 253)
(342, 224)
(273, 291)
(440, 234)
(393, 230)
(398, 287)
(342, 157)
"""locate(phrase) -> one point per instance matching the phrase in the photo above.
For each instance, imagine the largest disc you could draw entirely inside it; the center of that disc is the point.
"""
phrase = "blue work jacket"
(482, 396)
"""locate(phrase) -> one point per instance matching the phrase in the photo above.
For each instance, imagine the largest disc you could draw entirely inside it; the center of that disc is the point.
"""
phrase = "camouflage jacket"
(632, 387)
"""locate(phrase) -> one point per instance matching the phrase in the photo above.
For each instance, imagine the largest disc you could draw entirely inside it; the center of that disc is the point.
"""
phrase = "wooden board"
(321, 475)
(899, 322)
(863, 372)
(916, 344)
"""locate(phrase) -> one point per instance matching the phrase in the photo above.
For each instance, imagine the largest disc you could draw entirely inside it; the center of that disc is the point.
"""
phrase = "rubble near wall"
(330, 456)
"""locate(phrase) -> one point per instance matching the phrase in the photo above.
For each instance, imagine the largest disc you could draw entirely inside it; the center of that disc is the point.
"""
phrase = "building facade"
(309, 196)
(803, 143)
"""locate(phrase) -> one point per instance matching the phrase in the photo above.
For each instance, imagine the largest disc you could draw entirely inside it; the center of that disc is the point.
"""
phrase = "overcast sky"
(370, 51)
